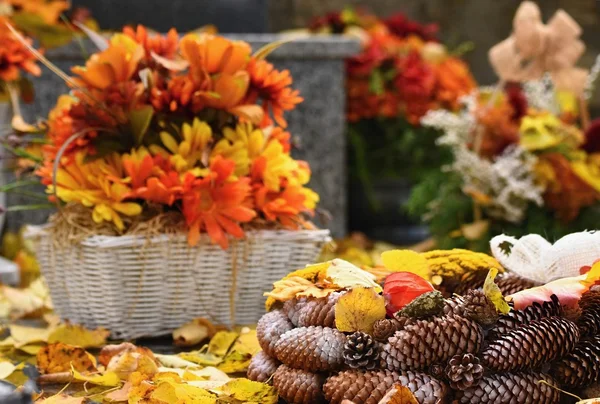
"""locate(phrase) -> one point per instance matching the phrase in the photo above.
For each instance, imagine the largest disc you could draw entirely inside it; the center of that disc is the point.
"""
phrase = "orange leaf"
(399, 395)
(59, 357)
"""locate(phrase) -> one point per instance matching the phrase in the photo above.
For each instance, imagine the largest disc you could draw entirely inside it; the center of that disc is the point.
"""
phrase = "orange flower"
(273, 88)
(280, 135)
(287, 206)
(216, 203)
(115, 65)
(14, 56)
(454, 80)
(214, 54)
(48, 10)
(499, 129)
(165, 46)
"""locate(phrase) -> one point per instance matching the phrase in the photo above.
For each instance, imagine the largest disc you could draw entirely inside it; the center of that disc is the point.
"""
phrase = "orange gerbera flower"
(454, 80)
(287, 206)
(214, 54)
(273, 88)
(216, 203)
(164, 46)
(14, 56)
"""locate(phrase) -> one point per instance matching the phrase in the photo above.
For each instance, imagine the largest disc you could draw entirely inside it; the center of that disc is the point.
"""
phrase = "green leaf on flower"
(139, 122)
(50, 36)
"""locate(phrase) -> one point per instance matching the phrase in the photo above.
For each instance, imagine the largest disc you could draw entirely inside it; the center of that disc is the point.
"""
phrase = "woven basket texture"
(139, 286)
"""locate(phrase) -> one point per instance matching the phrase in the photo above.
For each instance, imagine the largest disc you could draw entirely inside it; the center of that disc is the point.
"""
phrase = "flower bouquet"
(525, 157)
(159, 138)
(402, 72)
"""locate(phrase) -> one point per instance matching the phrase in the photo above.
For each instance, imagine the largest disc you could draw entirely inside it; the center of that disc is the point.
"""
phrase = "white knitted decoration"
(533, 257)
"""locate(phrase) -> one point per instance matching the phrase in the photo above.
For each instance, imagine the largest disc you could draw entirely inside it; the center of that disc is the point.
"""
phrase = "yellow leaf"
(246, 390)
(358, 309)
(120, 395)
(107, 379)
(493, 292)
(59, 357)
(79, 336)
(288, 288)
(223, 340)
(194, 332)
(171, 392)
(399, 395)
(173, 361)
(311, 272)
(127, 362)
(26, 335)
(31, 349)
(62, 399)
(345, 275)
(406, 261)
(201, 358)
(240, 354)
(6, 369)
(23, 302)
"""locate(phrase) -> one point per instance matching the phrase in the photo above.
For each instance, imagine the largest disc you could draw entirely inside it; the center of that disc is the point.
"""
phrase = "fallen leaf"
(358, 309)
(51, 319)
(120, 395)
(108, 379)
(23, 335)
(493, 292)
(399, 395)
(109, 351)
(6, 369)
(171, 392)
(194, 332)
(345, 275)
(221, 342)
(59, 357)
(79, 336)
(201, 358)
(174, 361)
(248, 391)
(239, 356)
(406, 261)
(125, 363)
(62, 399)
(31, 349)
(23, 303)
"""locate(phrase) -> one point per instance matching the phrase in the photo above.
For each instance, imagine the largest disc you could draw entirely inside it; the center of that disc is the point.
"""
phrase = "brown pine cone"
(269, 328)
(464, 371)
(589, 321)
(470, 281)
(361, 351)
(511, 388)
(304, 312)
(298, 386)
(510, 282)
(426, 342)
(515, 318)
(385, 328)
(479, 308)
(454, 305)
(312, 349)
(369, 387)
(262, 367)
(531, 345)
(581, 367)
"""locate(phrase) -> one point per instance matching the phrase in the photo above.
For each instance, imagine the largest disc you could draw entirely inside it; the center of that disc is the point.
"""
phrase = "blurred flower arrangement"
(191, 127)
(525, 159)
(401, 73)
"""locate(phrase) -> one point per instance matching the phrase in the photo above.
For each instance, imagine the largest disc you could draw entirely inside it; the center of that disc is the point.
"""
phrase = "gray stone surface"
(317, 66)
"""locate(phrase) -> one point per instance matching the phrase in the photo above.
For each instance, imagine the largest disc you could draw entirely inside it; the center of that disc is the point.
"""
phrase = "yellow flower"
(192, 149)
(587, 167)
(543, 131)
(96, 184)
(278, 165)
(242, 145)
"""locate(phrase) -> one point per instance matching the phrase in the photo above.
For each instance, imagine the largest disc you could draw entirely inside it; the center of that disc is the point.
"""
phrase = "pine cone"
(479, 308)
(464, 371)
(515, 318)
(361, 351)
(424, 306)
(470, 281)
(511, 388)
(510, 282)
(589, 321)
(368, 387)
(531, 345)
(311, 348)
(385, 328)
(426, 342)
(297, 386)
(581, 367)
(304, 312)
(269, 328)
(262, 367)
(454, 305)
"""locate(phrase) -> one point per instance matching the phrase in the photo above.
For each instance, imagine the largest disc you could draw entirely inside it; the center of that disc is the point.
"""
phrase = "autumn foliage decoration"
(192, 125)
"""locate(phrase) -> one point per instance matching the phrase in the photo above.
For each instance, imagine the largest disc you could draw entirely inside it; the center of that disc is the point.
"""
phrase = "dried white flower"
(541, 94)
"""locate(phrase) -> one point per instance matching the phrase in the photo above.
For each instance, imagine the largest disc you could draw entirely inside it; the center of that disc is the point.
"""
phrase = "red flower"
(403, 27)
(517, 100)
(401, 288)
(415, 78)
(592, 137)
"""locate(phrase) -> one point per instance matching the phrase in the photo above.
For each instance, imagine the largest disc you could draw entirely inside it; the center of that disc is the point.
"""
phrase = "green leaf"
(376, 82)
(50, 36)
(19, 208)
(21, 152)
(18, 184)
(139, 121)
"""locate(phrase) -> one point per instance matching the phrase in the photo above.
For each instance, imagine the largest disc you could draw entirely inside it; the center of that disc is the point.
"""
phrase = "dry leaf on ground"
(126, 362)
(79, 336)
(22, 335)
(399, 395)
(358, 309)
(59, 357)
(6, 369)
(194, 332)
(223, 340)
(108, 379)
(246, 390)
(62, 399)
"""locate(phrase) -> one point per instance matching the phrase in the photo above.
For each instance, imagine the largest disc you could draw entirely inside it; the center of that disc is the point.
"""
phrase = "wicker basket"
(138, 286)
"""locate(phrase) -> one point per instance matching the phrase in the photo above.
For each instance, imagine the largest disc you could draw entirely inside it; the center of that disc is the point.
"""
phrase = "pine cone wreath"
(298, 386)
(510, 282)
(513, 388)
(534, 312)
(385, 328)
(369, 387)
(312, 349)
(531, 345)
(304, 312)
(581, 367)
(479, 308)
(464, 371)
(262, 367)
(361, 351)
(589, 321)
(269, 328)
(425, 342)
